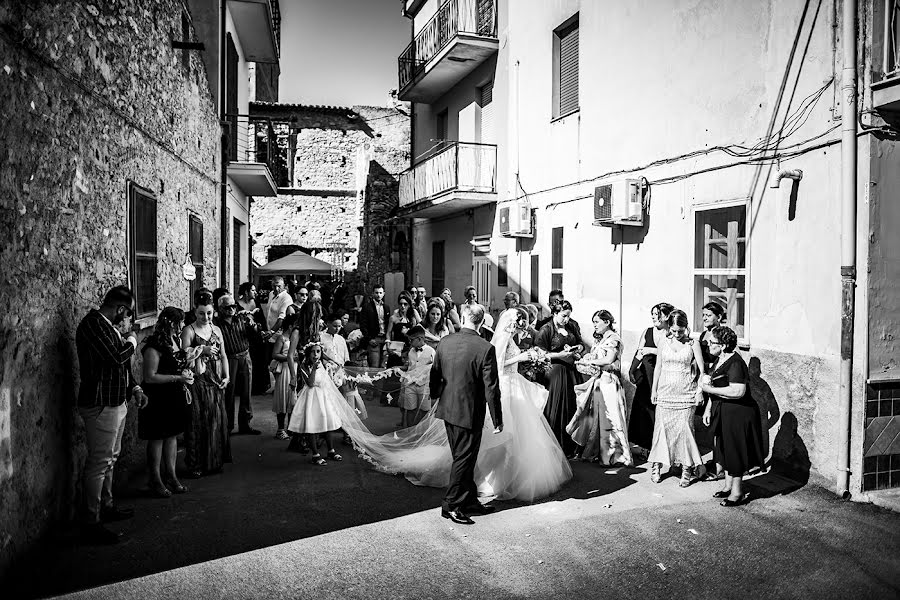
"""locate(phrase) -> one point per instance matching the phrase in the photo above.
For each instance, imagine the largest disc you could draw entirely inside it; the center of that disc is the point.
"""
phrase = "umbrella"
(296, 262)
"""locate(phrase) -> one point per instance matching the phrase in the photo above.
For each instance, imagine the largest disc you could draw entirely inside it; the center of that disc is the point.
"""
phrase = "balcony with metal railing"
(886, 34)
(457, 177)
(255, 163)
(461, 35)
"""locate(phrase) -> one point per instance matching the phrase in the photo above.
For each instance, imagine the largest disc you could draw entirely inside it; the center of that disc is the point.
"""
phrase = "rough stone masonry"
(92, 98)
(344, 165)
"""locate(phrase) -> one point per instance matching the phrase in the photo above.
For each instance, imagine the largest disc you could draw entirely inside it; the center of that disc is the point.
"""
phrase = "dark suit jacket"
(464, 376)
(368, 319)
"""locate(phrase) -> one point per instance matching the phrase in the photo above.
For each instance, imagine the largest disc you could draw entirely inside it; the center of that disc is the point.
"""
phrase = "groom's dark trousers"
(464, 444)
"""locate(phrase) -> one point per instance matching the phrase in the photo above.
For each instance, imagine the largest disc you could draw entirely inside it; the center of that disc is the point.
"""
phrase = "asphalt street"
(275, 526)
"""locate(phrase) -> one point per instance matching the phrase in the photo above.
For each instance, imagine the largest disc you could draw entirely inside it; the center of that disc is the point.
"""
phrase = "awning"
(297, 262)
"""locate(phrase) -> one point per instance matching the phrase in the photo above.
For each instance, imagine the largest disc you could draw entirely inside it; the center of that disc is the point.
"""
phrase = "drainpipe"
(848, 242)
(223, 187)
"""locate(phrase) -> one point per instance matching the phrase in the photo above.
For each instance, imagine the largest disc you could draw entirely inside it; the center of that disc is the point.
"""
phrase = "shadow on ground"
(267, 497)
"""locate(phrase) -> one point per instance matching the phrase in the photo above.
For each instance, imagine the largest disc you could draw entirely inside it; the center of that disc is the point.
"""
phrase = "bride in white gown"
(524, 461)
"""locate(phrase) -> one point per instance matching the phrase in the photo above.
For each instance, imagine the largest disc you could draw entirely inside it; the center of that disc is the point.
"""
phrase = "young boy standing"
(414, 397)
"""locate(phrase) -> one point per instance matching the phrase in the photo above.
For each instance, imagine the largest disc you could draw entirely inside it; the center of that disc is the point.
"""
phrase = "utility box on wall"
(619, 203)
(515, 219)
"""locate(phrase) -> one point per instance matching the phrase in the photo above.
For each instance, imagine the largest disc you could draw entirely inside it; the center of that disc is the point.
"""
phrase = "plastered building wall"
(662, 90)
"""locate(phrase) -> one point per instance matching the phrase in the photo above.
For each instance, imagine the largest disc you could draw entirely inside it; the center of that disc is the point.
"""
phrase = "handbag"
(276, 366)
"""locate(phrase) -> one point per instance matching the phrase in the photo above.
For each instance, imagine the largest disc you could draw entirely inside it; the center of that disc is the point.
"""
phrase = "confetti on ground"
(540, 562)
(661, 566)
(527, 535)
(607, 506)
(694, 531)
(679, 521)
(593, 491)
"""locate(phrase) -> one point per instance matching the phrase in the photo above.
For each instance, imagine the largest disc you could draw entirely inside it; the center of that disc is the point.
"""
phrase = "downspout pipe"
(848, 241)
(223, 186)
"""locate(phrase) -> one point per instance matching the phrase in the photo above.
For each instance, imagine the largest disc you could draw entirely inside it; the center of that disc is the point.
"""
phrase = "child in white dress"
(316, 410)
(414, 399)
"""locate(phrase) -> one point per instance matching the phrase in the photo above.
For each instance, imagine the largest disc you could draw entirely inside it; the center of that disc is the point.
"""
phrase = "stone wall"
(312, 222)
(346, 164)
(92, 97)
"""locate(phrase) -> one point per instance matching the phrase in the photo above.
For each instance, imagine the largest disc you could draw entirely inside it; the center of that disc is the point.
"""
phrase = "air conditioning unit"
(515, 219)
(619, 203)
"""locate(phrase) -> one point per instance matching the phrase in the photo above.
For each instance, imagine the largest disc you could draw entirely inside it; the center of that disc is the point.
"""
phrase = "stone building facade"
(341, 192)
(93, 101)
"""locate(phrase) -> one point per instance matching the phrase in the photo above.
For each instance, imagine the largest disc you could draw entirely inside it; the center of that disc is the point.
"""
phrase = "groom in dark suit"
(464, 378)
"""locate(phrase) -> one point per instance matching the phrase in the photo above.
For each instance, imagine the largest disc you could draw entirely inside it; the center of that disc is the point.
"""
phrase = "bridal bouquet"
(538, 363)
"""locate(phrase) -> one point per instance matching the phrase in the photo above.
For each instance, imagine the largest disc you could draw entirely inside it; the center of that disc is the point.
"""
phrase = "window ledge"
(565, 116)
(146, 322)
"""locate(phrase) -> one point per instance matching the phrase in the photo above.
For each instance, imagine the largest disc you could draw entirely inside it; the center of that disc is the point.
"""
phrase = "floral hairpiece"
(310, 345)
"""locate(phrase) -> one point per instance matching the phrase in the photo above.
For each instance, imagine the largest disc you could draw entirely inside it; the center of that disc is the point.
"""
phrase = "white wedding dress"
(524, 461)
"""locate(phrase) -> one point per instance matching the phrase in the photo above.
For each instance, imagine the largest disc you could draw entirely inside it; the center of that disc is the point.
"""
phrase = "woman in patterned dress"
(207, 443)
(676, 394)
(599, 424)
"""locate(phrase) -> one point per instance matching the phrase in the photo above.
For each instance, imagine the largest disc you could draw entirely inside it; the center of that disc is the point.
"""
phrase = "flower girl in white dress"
(319, 403)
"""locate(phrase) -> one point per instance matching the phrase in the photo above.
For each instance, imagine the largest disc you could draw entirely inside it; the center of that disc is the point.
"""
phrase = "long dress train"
(524, 461)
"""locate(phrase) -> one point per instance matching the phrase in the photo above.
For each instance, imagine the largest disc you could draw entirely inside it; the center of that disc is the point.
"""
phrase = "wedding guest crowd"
(195, 366)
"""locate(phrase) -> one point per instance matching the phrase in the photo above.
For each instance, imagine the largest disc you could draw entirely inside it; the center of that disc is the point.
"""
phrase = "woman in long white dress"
(524, 461)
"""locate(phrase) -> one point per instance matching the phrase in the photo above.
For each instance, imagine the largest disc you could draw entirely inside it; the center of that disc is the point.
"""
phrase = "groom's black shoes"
(480, 509)
(457, 516)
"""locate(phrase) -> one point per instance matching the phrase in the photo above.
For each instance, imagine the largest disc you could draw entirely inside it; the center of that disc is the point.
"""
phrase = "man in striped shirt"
(104, 359)
(236, 332)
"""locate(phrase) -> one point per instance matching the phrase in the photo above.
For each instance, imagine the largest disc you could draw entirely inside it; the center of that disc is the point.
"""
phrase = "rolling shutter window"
(567, 73)
(487, 113)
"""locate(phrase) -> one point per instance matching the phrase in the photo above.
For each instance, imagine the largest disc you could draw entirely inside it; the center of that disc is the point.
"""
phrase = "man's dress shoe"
(457, 516)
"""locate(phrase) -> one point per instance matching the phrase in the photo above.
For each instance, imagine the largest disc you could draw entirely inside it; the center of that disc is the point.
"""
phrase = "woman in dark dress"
(713, 315)
(404, 318)
(207, 443)
(732, 414)
(563, 346)
(166, 380)
(643, 411)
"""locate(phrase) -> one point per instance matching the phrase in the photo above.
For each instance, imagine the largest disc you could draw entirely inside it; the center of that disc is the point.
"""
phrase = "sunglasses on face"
(128, 311)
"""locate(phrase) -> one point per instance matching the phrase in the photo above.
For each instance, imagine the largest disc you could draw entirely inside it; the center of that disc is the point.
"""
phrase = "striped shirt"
(104, 360)
(235, 334)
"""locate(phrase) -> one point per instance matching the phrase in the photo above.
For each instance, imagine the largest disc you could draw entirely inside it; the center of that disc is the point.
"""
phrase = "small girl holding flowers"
(316, 410)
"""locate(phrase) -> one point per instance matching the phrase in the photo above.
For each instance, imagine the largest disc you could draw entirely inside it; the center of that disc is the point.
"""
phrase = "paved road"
(274, 526)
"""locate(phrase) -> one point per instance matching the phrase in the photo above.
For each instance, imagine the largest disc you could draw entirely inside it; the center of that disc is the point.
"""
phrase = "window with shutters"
(486, 102)
(720, 263)
(442, 126)
(502, 278)
(195, 247)
(556, 259)
(142, 256)
(565, 68)
(437, 267)
(535, 278)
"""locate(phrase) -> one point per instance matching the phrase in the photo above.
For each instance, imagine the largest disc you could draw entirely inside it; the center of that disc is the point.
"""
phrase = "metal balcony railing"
(891, 38)
(474, 17)
(463, 167)
(258, 140)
